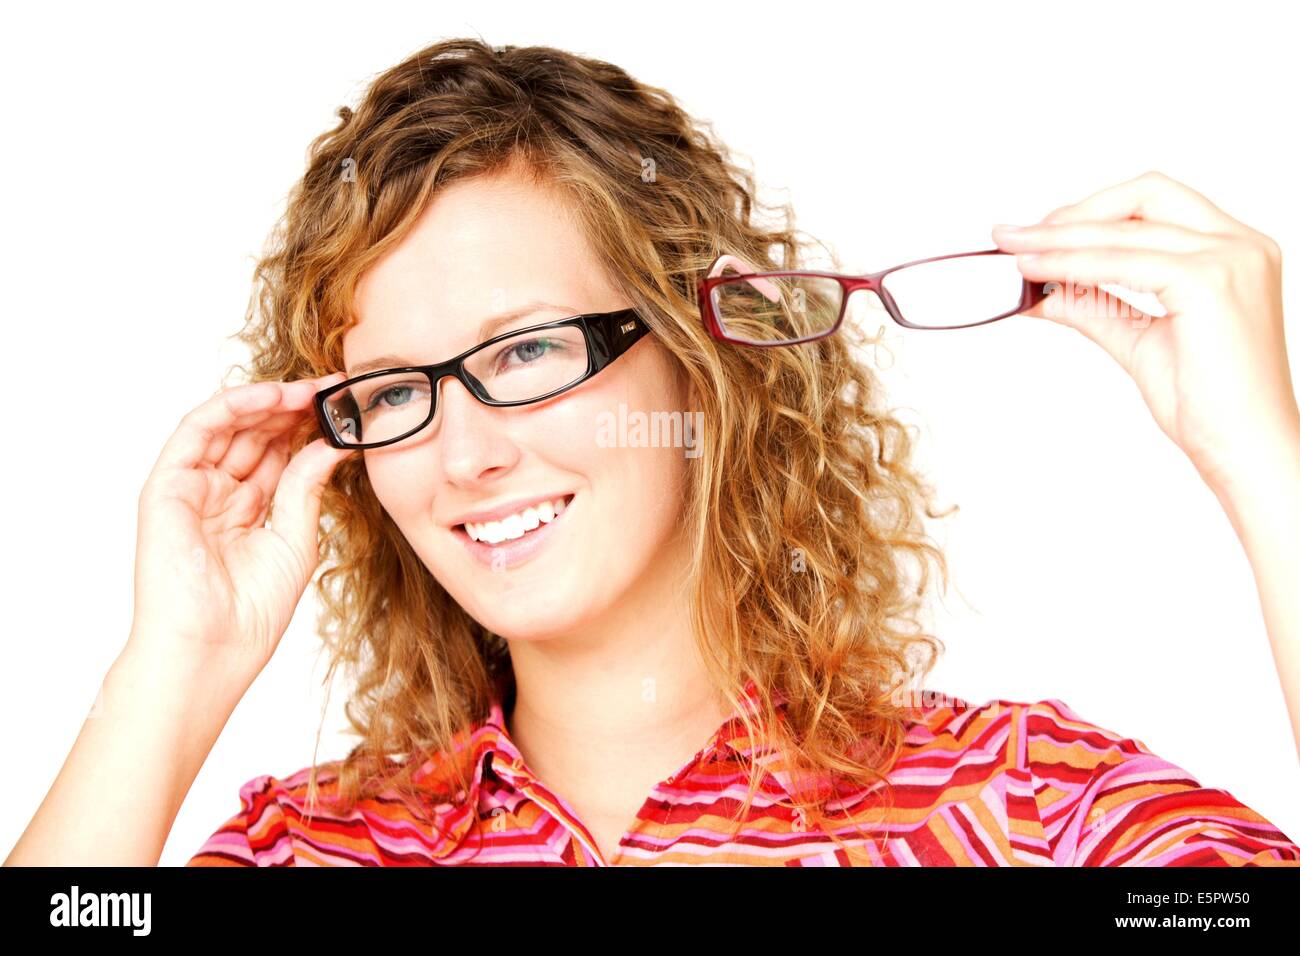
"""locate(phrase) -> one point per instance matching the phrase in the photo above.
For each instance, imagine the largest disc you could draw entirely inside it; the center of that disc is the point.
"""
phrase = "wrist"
(1261, 485)
(181, 678)
(1272, 455)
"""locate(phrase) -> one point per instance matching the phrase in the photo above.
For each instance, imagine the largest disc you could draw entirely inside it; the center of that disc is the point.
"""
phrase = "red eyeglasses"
(759, 308)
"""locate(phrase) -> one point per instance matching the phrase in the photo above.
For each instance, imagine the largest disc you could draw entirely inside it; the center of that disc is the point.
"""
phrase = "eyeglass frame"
(1032, 293)
(608, 335)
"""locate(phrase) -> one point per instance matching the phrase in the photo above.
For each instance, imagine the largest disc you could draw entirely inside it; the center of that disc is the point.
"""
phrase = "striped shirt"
(998, 784)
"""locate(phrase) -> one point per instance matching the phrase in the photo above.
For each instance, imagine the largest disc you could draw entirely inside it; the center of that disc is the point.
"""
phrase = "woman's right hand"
(214, 584)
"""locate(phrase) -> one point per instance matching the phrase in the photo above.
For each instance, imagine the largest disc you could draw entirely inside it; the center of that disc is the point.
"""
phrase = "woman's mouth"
(504, 544)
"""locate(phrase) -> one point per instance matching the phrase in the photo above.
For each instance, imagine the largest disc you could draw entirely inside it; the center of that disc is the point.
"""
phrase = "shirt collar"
(489, 744)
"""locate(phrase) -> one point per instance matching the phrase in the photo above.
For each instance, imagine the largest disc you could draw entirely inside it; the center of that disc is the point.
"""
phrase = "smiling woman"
(570, 650)
(626, 625)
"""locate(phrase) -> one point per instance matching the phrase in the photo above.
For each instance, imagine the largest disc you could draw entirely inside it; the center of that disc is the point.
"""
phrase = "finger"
(245, 503)
(266, 476)
(1152, 196)
(222, 441)
(189, 443)
(1161, 273)
(1105, 319)
(296, 504)
(249, 504)
(219, 415)
(260, 520)
(1121, 234)
(237, 453)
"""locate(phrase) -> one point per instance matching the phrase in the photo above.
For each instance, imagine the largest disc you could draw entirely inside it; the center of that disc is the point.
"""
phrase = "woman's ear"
(691, 396)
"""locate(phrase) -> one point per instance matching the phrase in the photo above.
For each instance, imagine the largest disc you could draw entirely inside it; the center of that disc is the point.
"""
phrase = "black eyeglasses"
(515, 368)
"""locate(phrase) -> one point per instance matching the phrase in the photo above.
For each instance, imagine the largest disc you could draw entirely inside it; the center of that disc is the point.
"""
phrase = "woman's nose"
(455, 407)
(468, 432)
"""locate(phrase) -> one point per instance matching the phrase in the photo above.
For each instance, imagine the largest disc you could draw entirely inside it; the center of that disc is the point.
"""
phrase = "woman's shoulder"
(279, 823)
(1029, 729)
(1078, 793)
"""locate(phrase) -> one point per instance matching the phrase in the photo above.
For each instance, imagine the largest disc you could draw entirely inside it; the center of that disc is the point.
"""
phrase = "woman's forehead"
(483, 247)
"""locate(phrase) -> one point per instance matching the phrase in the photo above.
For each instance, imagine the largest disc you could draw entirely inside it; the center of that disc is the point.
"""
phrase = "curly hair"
(802, 510)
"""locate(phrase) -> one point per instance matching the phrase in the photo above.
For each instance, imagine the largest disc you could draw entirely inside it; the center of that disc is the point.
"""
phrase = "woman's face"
(484, 247)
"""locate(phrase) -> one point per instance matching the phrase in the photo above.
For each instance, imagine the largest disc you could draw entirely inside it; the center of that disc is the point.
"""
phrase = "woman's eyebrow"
(485, 332)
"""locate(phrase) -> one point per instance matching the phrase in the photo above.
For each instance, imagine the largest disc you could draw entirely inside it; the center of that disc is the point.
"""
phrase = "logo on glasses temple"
(627, 328)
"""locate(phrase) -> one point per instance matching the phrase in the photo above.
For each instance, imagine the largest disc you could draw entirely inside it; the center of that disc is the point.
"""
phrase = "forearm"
(1262, 501)
(118, 793)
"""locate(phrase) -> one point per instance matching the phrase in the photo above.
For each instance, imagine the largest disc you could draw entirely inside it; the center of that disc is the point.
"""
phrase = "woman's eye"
(394, 396)
(529, 351)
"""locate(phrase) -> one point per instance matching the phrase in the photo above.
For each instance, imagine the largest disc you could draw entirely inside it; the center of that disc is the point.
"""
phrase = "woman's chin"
(529, 627)
(519, 611)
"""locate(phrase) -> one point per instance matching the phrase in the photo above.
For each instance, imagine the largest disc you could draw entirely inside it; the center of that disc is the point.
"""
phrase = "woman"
(571, 651)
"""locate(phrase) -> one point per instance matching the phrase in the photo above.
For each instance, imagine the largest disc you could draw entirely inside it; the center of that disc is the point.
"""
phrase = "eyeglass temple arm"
(614, 333)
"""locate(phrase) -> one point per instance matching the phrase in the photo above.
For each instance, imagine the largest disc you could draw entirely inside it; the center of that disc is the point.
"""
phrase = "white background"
(148, 151)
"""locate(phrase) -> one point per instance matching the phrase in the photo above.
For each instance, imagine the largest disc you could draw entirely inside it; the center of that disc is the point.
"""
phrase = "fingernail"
(1007, 227)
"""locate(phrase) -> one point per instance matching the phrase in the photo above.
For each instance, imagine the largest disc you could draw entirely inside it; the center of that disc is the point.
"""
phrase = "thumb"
(1110, 321)
(296, 508)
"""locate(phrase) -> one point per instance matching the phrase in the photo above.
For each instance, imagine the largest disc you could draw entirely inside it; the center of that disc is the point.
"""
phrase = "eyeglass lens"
(518, 369)
(947, 293)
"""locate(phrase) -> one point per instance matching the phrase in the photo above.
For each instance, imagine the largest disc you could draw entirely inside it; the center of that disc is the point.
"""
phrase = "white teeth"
(516, 525)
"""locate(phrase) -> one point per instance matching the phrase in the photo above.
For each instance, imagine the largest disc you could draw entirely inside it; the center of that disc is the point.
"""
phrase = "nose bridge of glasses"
(854, 283)
(875, 298)
(446, 381)
(451, 376)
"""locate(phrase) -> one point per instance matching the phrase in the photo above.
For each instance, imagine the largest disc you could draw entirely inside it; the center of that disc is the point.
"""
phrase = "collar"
(489, 744)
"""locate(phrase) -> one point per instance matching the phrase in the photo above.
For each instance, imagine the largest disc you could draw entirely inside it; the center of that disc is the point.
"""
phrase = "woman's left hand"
(1213, 369)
